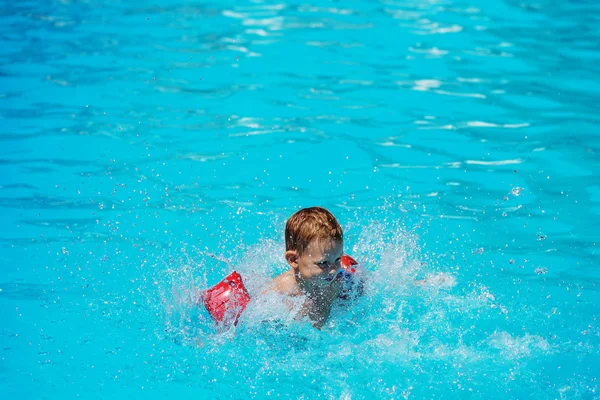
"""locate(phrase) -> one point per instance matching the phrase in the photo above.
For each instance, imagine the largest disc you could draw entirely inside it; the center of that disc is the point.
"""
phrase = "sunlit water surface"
(149, 148)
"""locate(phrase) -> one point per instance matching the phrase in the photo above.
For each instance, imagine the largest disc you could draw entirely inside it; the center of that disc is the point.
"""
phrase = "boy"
(314, 245)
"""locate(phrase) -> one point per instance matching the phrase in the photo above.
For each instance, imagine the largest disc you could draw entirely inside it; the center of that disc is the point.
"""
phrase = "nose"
(332, 272)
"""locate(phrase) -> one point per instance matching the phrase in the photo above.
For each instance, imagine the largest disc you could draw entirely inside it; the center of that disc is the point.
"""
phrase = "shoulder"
(284, 284)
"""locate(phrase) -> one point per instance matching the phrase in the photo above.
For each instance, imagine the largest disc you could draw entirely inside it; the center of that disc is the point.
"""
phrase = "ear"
(291, 256)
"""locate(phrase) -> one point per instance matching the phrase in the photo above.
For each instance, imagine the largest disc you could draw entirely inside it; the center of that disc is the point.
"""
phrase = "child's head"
(314, 244)
(308, 225)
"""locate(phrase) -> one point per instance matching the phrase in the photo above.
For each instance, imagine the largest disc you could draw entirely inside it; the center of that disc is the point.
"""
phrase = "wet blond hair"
(308, 224)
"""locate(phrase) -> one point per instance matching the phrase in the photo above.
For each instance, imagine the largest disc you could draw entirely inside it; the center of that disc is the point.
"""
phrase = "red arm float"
(348, 263)
(227, 299)
(352, 286)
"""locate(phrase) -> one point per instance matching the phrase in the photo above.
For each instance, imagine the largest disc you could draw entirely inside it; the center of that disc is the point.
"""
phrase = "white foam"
(518, 346)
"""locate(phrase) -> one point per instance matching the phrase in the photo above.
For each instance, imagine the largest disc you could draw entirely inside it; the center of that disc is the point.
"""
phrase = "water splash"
(415, 315)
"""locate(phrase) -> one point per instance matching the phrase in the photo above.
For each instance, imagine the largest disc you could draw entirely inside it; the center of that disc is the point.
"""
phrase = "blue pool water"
(148, 148)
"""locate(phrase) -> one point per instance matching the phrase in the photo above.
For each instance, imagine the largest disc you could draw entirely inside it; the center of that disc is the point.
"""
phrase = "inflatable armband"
(351, 286)
(347, 264)
(227, 299)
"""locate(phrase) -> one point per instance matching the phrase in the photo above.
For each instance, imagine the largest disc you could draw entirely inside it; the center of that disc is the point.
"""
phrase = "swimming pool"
(148, 148)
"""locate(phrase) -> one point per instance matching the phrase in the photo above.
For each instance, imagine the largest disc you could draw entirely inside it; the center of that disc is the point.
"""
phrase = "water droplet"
(541, 236)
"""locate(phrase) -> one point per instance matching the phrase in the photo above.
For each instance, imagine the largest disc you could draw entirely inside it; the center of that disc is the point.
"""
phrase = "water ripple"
(133, 131)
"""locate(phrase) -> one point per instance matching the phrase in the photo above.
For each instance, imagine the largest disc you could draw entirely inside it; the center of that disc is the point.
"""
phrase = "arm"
(353, 287)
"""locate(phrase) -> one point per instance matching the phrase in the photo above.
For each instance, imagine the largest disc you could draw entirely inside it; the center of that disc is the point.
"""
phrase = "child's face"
(319, 263)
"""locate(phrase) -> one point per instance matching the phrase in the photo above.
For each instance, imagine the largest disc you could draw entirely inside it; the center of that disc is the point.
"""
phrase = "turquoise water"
(149, 148)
